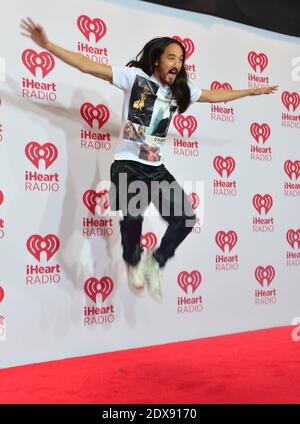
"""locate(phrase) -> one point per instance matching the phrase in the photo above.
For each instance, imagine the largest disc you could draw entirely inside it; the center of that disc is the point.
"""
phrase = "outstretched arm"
(216, 96)
(37, 33)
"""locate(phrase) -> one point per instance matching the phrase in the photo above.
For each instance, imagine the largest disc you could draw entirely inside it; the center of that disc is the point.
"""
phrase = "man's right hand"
(34, 31)
(37, 33)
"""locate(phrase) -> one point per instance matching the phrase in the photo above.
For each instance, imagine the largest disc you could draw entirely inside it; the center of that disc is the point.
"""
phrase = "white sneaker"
(135, 276)
(152, 273)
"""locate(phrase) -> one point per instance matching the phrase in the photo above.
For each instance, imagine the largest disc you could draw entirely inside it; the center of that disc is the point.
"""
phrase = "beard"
(170, 77)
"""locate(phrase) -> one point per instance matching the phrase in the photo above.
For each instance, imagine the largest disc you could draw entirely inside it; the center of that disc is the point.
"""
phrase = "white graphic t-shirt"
(147, 112)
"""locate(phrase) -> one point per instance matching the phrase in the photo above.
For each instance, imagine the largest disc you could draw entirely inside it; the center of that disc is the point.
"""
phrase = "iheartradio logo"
(148, 240)
(1, 294)
(260, 202)
(291, 168)
(92, 199)
(224, 164)
(93, 287)
(262, 131)
(223, 239)
(33, 60)
(188, 45)
(37, 244)
(1, 197)
(194, 200)
(293, 238)
(266, 274)
(88, 26)
(290, 100)
(257, 61)
(35, 151)
(188, 123)
(100, 113)
(186, 279)
(216, 85)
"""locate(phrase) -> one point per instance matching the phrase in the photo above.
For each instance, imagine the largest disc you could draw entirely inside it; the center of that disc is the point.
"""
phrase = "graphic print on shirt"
(148, 118)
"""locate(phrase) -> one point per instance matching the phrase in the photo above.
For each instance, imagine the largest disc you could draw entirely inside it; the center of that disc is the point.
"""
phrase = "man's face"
(169, 64)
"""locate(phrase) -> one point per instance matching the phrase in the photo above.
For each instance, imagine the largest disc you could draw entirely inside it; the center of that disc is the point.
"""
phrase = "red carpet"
(253, 367)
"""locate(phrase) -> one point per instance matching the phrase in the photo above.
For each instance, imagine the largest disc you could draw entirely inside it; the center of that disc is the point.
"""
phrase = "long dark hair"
(146, 61)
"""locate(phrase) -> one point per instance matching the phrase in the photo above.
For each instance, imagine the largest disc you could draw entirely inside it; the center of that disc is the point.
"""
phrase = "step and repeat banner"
(63, 286)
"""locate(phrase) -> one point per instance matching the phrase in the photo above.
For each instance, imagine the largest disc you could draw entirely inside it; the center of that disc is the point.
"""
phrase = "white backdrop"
(63, 285)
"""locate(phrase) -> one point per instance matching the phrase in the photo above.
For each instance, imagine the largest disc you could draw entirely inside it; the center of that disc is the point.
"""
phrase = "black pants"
(173, 205)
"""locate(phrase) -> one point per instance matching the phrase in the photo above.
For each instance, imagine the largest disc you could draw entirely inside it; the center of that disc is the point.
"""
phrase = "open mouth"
(173, 72)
